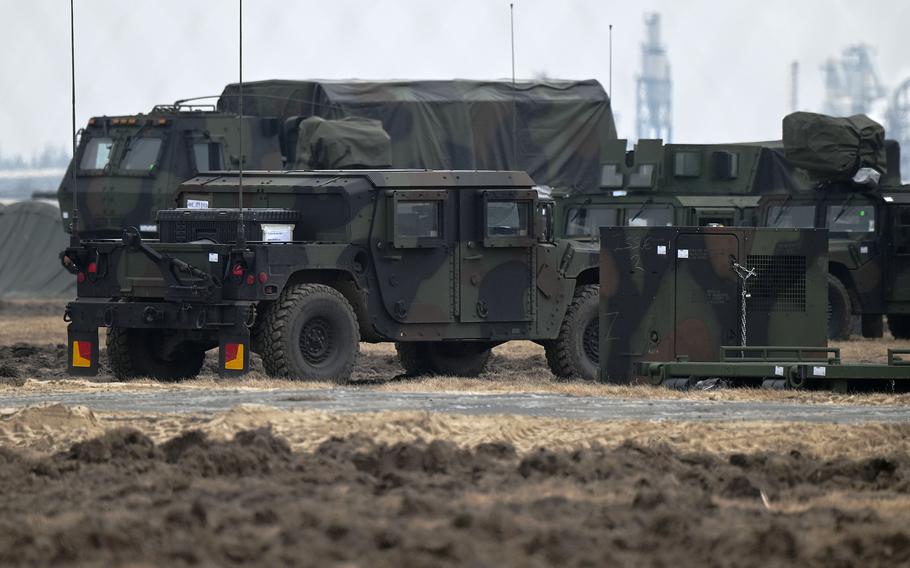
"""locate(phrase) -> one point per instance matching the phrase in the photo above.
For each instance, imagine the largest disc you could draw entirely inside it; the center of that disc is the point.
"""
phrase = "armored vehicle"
(784, 184)
(128, 167)
(447, 264)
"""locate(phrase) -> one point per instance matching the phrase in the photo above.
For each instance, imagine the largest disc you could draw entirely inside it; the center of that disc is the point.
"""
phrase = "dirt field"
(261, 486)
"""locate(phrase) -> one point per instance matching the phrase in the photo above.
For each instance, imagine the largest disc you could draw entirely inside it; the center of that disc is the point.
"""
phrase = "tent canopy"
(31, 238)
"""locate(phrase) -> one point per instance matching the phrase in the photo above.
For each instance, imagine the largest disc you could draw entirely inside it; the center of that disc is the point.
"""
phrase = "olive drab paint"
(683, 293)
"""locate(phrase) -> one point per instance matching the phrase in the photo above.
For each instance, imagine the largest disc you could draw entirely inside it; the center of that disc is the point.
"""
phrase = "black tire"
(899, 325)
(263, 310)
(574, 353)
(133, 353)
(451, 358)
(310, 333)
(840, 321)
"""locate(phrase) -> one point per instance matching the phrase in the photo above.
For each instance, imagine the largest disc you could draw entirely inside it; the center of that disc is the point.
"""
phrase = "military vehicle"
(785, 184)
(128, 167)
(447, 264)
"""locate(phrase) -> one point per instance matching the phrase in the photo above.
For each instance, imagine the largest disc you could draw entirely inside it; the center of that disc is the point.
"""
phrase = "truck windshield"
(791, 216)
(142, 154)
(650, 217)
(97, 154)
(851, 219)
(587, 221)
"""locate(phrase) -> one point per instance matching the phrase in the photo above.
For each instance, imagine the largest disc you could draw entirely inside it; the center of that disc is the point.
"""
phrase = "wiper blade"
(641, 209)
(128, 144)
(843, 209)
(784, 206)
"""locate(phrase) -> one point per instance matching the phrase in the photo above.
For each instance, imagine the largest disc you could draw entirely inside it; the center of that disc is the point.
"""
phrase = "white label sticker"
(66, 214)
(620, 193)
(889, 199)
(682, 253)
(148, 228)
(661, 249)
(277, 233)
(818, 371)
(778, 371)
(872, 225)
(197, 204)
(864, 249)
(213, 257)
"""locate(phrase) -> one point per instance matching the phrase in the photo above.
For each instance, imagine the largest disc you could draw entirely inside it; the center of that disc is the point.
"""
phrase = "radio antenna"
(75, 212)
(610, 87)
(514, 90)
(241, 237)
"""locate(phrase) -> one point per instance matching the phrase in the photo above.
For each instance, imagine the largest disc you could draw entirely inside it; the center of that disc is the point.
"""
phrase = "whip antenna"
(514, 91)
(610, 84)
(241, 237)
(75, 212)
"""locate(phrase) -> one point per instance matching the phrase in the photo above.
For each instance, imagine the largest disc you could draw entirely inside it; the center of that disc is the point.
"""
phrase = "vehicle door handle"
(474, 257)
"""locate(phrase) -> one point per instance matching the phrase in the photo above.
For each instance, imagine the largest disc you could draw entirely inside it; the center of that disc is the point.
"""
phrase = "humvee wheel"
(839, 318)
(135, 353)
(453, 358)
(310, 333)
(899, 325)
(575, 352)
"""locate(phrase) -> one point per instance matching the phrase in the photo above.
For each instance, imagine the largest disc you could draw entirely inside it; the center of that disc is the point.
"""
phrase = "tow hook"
(151, 314)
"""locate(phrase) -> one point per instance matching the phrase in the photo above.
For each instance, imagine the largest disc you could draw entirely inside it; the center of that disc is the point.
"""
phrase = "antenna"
(241, 237)
(610, 84)
(73, 85)
(514, 91)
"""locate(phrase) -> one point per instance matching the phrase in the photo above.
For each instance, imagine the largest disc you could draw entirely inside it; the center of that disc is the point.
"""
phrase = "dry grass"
(517, 366)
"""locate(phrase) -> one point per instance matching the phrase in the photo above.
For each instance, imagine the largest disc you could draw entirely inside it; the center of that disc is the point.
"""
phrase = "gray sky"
(730, 58)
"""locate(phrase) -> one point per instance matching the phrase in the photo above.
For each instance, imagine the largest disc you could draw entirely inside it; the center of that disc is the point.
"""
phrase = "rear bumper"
(86, 314)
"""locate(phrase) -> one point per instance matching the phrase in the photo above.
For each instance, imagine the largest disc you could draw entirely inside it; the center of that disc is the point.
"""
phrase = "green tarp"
(348, 143)
(31, 238)
(833, 148)
(554, 130)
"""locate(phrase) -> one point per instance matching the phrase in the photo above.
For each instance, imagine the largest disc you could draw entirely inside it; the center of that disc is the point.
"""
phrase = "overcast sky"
(730, 58)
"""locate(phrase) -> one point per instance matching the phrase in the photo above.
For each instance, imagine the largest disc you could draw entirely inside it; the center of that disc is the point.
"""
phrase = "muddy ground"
(121, 498)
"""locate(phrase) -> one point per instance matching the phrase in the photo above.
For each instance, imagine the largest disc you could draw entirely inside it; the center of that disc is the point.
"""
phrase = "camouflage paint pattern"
(674, 293)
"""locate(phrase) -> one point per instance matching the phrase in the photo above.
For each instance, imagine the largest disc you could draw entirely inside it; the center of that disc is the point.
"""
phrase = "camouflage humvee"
(447, 264)
(766, 185)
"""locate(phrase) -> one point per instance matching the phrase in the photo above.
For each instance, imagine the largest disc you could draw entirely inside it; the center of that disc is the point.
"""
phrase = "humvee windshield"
(852, 219)
(650, 217)
(142, 154)
(791, 216)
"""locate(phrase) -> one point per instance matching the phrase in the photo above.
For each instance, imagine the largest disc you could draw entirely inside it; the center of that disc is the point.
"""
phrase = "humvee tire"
(899, 325)
(310, 333)
(839, 317)
(574, 353)
(452, 358)
(135, 353)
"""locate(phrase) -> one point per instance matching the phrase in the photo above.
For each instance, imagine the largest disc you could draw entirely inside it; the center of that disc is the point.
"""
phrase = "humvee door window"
(791, 216)
(650, 217)
(142, 154)
(208, 156)
(97, 154)
(587, 221)
(852, 219)
(508, 218)
(418, 219)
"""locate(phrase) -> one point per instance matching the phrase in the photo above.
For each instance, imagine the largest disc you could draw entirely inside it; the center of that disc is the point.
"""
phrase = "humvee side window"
(791, 216)
(97, 154)
(508, 218)
(418, 219)
(852, 219)
(208, 156)
(587, 221)
(142, 154)
(649, 217)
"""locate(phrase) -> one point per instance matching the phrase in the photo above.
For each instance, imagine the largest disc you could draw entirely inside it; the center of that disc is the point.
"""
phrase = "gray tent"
(554, 130)
(31, 238)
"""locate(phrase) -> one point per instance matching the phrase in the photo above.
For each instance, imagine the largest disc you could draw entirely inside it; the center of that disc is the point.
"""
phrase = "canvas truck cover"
(31, 238)
(831, 147)
(349, 143)
(559, 127)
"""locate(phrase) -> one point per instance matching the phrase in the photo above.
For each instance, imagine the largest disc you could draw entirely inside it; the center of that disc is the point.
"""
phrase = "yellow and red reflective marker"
(82, 352)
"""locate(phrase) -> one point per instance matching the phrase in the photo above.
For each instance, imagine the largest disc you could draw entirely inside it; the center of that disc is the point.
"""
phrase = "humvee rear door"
(496, 261)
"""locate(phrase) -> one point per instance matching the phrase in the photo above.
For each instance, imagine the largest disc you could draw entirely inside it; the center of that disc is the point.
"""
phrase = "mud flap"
(233, 352)
(82, 353)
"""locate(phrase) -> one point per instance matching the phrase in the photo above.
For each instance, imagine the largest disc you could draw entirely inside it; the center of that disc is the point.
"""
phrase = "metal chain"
(744, 274)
